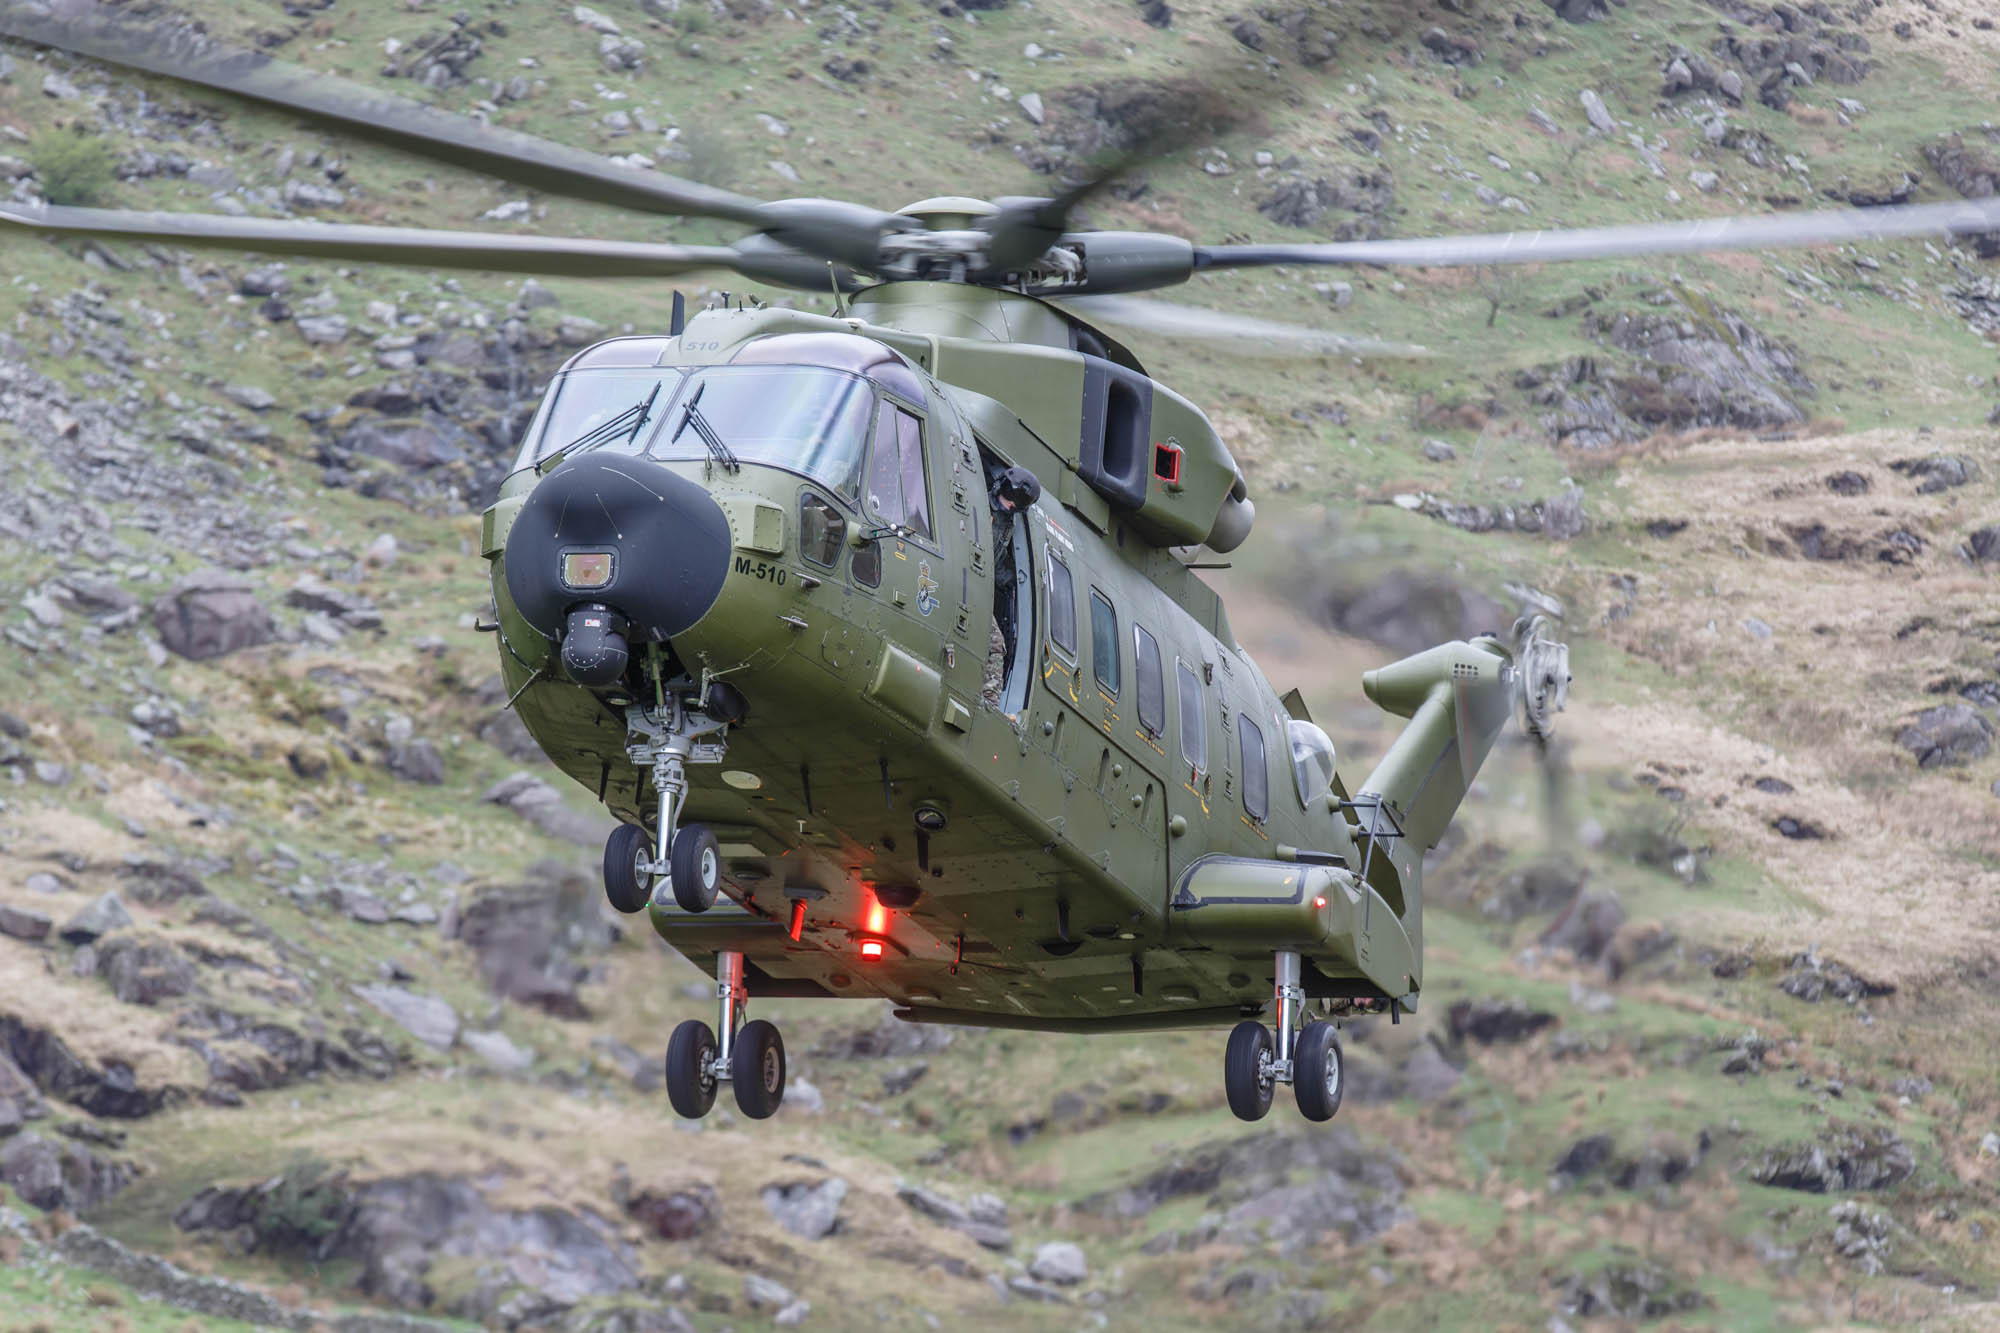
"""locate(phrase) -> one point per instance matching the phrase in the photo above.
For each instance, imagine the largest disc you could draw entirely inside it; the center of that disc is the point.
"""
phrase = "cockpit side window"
(916, 491)
(885, 470)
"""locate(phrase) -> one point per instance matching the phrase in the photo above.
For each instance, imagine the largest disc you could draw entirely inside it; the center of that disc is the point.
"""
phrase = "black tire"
(1319, 1073)
(695, 863)
(690, 1084)
(627, 889)
(757, 1069)
(1246, 1070)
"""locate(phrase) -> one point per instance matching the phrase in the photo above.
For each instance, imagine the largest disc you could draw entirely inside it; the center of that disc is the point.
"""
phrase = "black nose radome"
(621, 535)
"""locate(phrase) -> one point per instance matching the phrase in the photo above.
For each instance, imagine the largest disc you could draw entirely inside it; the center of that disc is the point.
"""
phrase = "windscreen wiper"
(626, 424)
(692, 415)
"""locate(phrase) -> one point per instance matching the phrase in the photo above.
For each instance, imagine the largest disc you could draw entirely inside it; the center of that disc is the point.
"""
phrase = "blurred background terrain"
(310, 1011)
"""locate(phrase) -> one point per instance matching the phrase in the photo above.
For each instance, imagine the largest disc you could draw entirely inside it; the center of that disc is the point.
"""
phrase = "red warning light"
(1320, 901)
(871, 950)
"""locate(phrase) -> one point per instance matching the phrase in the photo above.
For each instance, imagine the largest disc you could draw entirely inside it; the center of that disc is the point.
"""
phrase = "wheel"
(690, 1081)
(628, 889)
(1246, 1070)
(757, 1068)
(1318, 1076)
(695, 863)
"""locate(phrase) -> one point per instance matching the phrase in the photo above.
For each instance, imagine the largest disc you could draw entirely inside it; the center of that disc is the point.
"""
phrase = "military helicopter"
(882, 634)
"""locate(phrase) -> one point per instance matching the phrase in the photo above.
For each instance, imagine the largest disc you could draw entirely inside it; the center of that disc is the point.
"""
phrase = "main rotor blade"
(1958, 218)
(1245, 335)
(180, 53)
(500, 252)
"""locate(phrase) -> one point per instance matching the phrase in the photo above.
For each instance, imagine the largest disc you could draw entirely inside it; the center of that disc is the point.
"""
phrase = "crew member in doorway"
(1013, 489)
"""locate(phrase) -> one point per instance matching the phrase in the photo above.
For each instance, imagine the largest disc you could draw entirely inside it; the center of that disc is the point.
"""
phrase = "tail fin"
(1457, 697)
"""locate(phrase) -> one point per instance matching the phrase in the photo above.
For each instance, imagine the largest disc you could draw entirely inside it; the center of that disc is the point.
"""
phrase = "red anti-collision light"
(1320, 901)
(871, 950)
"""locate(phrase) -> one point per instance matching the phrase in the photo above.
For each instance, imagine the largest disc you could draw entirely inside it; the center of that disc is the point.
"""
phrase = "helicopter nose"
(609, 547)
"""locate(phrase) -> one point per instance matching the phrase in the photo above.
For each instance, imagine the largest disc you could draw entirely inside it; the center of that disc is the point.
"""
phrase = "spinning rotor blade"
(1645, 238)
(1245, 335)
(831, 229)
(500, 252)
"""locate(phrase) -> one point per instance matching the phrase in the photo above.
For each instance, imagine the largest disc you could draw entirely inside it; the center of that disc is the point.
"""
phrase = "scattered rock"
(1369, 192)
(210, 614)
(763, 1293)
(1587, 926)
(60, 1175)
(428, 1018)
(1812, 979)
(1492, 1020)
(23, 923)
(681, 1215)
(1937, 472)
(810, 1210)
(144, 969)
(1861, 1236)
(498, 1050)
(1059, 1262)
(542, 806)
(1405, 609)
(100, 918)
(1628, 1291)
(417, 761)
(535, 942)
(1947, 735)
(111, 1091)
(1848, 1158)
(1597, 112)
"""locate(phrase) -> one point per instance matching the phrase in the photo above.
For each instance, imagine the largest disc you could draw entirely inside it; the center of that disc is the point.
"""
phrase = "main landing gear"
(1310, 1060)
(751, 1057)
(663, 741)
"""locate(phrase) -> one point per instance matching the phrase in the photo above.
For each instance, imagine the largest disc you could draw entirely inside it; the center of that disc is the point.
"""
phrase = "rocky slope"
(308, 1007)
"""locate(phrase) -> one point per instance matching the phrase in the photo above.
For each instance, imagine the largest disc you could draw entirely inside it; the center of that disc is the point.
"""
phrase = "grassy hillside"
(1711, 1044)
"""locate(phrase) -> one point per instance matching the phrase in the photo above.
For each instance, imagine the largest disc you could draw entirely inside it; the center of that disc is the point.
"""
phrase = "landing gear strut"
(751, 1056)
(1310, 1060)
(663, 741)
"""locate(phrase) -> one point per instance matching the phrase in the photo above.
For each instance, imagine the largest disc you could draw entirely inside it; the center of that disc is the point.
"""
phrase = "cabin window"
(1256, 776)
(1151, 680)
(1312, 759)
(1194, 726)
(822, 529)
(1104, 643)
(1062, 608)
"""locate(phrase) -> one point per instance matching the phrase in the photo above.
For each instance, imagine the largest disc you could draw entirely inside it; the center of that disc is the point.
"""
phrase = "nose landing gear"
(751, 1057)
(663, 741)
(1310, 1060)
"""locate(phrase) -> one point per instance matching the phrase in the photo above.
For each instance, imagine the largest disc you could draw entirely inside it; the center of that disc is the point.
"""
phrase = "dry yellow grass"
(1946, 31)
(91, 1022)
(1902, 883)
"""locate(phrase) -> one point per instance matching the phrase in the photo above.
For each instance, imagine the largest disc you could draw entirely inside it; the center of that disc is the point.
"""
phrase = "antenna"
(680, 317)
